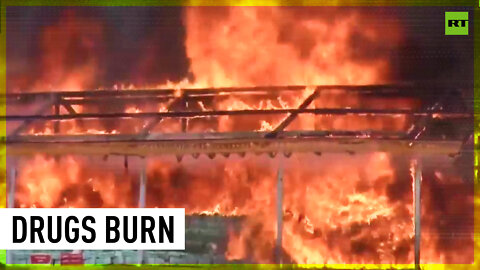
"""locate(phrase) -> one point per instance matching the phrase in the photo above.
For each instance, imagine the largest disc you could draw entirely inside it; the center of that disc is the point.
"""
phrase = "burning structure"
(286, 123)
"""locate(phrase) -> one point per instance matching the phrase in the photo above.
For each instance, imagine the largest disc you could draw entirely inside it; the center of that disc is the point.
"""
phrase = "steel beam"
(160, 99)
(287, 121)
(143, 185)
(150, 125)
(11, 186)
(278, 243)
(239, 136)
(43, 108)
(418, 212)
(56, 124)
(224, 146)
(69, 108)
(382, 89)
(11, 202)
(192, 114)
(142, 198)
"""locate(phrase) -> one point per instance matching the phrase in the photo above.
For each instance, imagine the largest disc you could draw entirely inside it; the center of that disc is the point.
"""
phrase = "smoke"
(80, 48)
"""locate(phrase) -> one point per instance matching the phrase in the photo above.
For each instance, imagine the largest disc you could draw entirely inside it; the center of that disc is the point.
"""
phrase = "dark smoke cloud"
(140, 45)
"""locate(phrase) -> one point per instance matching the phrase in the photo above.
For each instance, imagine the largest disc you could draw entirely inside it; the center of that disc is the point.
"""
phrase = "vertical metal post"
(418, 213)
(278, 244)
(143, 182)
(184, 125)
(56, 123)
(11, 186)
(141, 197)
(184, 108)
(11, 202)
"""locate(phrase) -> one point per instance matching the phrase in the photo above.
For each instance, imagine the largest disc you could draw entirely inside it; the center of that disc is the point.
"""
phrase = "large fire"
(338, 208)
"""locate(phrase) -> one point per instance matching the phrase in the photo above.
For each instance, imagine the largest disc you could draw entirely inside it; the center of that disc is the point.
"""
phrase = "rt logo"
(456, 23)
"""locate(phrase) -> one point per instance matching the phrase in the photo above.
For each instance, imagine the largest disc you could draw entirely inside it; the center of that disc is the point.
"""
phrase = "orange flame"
(336, 208)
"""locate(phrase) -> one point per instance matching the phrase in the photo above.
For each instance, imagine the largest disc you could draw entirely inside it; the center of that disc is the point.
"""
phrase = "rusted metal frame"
(378, 88)
(422, 121)
(45, 107)
(68, 107)
(246, 135)
(71, 110)
(90, 93)
(150, 125)
(158, 92)
(183, 114)
(122, 100)
(232, 146)
(420, 124)
(287, 121)
(157, 99)
(182, 101)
